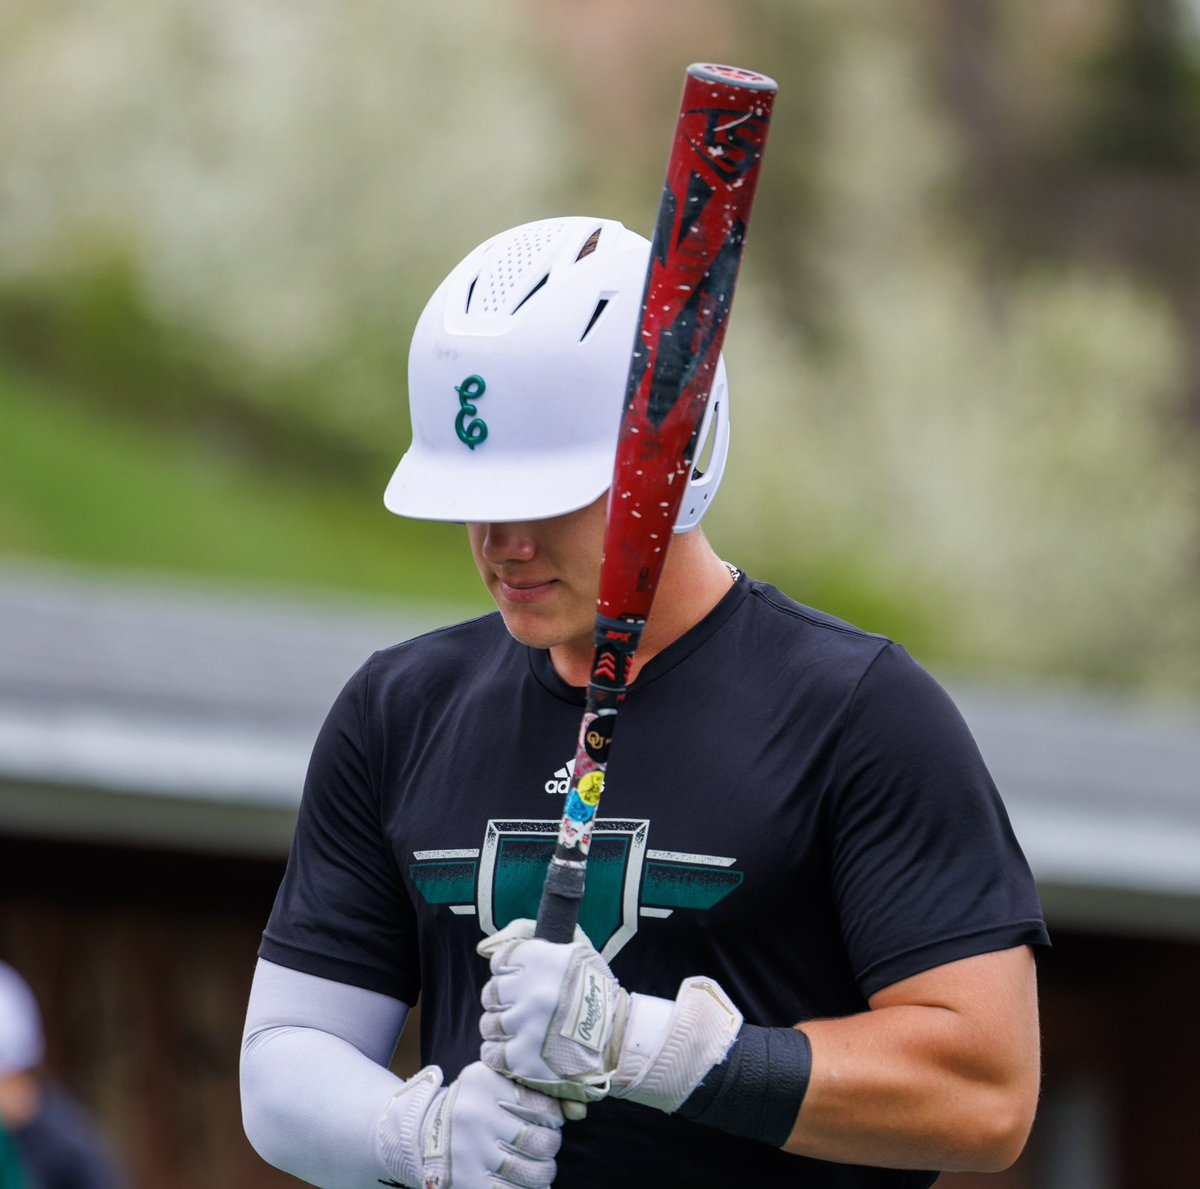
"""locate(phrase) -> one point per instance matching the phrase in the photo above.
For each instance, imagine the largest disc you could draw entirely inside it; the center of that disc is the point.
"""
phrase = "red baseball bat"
(712, 175)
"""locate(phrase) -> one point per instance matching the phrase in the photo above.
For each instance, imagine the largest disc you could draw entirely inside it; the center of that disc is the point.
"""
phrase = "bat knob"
(732, 76)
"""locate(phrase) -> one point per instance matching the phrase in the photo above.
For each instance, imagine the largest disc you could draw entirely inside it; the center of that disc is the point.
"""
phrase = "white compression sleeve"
(314, 1076)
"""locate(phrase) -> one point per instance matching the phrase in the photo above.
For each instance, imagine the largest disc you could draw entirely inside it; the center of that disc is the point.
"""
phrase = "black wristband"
(757, 1090)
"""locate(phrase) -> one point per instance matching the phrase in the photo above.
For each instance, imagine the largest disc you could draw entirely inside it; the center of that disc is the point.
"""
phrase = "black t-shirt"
(792, 807)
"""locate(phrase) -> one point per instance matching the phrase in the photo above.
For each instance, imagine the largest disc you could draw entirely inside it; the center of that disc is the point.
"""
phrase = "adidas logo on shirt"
(561, 780)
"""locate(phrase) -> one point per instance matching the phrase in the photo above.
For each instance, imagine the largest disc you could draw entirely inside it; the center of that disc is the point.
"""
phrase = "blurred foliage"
(98, 332)
(1145, 113)
(965, 358)
(278, 186)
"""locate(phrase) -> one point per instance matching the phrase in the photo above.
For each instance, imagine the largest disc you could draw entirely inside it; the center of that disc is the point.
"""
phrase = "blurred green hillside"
(964, 356)
(84, 487)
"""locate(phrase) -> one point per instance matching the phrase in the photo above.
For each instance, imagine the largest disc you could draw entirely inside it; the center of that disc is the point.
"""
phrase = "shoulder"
(824, 647)
(772, 602)
(832, 664)
(455, 642)
(403, 681)
(446, 654)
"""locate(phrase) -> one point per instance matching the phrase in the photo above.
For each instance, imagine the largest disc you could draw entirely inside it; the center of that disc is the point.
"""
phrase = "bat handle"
(562, 895)
(562, 890)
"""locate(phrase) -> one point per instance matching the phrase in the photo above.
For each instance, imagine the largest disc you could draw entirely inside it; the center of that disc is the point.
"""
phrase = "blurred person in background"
(53, 1144)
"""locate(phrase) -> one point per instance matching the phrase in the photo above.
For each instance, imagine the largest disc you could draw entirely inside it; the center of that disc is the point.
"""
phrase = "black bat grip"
(562, 895)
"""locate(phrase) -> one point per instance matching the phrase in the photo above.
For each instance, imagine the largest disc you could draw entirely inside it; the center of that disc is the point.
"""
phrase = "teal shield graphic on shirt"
(502, 880)
(512, 867)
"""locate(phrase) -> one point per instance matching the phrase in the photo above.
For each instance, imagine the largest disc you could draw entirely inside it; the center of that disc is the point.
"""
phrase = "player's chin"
(529, 629)
(537, 629)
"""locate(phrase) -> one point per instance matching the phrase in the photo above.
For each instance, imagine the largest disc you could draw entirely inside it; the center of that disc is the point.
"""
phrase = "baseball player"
(806, 946)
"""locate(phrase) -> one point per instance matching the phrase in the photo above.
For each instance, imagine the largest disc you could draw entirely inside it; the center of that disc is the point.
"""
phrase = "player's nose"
(508, 542)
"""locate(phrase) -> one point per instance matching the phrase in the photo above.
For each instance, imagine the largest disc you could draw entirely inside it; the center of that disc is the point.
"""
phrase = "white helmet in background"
(21, 1042)
(517, 374)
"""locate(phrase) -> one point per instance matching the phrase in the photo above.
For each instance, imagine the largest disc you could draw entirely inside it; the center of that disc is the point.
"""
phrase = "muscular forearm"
(928, 1079)
(887, 1089)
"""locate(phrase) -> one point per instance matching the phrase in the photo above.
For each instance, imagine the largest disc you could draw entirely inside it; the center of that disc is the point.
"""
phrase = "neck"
(693, 581)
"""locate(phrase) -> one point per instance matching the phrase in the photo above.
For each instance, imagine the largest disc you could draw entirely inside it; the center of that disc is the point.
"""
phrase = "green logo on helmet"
(471, 430)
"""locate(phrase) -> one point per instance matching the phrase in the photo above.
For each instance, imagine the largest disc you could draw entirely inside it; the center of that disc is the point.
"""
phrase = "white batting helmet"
(516, 379)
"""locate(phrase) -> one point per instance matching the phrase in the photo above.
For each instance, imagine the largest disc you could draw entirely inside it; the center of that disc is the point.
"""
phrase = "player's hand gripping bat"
(712, 174)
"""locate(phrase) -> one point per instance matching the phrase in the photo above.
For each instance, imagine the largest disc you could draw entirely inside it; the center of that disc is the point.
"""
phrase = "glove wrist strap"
(757, 1090)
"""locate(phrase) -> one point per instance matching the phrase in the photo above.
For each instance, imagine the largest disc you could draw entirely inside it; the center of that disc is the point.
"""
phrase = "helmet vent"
(589, 247)
(594, 318)
(506, 274)
(531, 293)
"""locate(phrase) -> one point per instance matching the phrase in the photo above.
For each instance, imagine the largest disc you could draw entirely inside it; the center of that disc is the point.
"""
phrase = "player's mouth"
(524, 591)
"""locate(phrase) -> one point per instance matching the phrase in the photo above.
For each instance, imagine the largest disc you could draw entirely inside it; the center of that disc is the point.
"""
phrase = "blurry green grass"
(80, 486)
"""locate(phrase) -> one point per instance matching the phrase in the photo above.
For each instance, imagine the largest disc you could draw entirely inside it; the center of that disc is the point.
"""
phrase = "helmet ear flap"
(712, 438)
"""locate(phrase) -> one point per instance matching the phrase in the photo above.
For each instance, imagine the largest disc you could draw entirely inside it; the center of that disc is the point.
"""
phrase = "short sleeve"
(925, 865)
(342, 911)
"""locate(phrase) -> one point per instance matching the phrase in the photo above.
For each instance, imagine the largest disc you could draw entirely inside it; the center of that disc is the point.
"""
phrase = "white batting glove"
(550, 1013)
(482, 1130)
(556, 1018)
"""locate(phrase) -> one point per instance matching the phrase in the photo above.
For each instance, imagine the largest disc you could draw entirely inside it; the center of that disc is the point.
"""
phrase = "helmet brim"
(429, 485)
